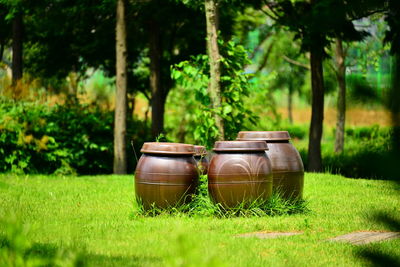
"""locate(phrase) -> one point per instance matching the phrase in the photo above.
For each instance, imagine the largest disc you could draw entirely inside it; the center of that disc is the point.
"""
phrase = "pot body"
(237, 177)
(165, 180)
(287, 169)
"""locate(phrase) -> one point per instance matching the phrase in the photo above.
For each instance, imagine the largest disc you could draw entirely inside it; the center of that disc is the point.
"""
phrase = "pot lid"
(240, 146)
(200, 151)
(167, 148)
(264, 135)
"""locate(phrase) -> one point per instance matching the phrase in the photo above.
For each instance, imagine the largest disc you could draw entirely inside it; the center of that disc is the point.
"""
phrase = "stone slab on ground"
(268, 235)
(361, 238)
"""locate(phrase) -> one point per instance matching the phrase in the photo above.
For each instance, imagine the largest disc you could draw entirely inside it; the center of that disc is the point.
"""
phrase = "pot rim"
(166, 148)
(265, 136)
(254, 146)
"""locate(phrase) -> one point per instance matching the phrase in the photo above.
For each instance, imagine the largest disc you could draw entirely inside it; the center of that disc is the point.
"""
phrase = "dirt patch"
(268, 235)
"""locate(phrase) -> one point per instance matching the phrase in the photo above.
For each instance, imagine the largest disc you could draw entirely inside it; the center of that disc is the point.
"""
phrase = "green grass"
(93, 217)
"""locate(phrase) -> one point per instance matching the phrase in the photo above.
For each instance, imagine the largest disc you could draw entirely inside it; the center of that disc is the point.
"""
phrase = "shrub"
(368, 154)
(61, 139)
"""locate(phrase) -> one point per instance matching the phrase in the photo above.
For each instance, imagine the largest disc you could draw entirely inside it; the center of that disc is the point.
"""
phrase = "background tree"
(313, 24)
(211, 10)
(13, 11)
(393, 37)
(120, 158)
(167, 40)
(5, 29)
(17, 40)
(340, 56)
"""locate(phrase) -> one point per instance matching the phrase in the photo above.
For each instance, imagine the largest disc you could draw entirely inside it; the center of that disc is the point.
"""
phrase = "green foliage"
(368, 153)
(93, 212)
(314, 25)
(161, 138)
(61, 139)
(192, 77)
(201, 205)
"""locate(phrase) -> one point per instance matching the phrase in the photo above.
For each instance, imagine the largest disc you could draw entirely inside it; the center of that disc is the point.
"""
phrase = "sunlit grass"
(95, 218)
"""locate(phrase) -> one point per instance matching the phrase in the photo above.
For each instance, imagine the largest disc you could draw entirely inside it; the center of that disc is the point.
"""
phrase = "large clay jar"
(239, 172)
(287, 166)
(166, 174)
(200, 157)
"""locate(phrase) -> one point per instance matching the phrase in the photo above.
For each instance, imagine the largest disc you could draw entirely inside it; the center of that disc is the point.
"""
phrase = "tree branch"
(146, 95)
(294, 62)
(270, 5)
(251, 56)
(265, 58)
(367, 14)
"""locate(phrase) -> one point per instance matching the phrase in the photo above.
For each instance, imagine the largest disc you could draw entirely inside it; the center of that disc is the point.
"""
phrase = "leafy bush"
(193, 78)
(368, 154)
(360, 90)
(61, 139)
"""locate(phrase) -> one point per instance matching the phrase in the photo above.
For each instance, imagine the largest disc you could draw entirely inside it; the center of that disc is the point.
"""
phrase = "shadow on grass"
(375, 254)
(16, 249)
(379, 258)
(102, 260)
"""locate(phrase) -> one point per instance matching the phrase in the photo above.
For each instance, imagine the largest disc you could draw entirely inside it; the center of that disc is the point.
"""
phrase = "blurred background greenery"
(58, 118)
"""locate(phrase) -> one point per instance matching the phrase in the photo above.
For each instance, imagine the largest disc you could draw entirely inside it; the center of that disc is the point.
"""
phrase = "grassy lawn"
(94, 217)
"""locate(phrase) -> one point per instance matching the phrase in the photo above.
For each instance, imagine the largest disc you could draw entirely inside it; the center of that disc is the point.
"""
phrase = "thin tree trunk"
(341, 102)
(120, 157)
(131, 99)
(290, 102)
(214, 88)
(157, 93)
(182, 131)
(17, 35)
(2, 44)
(265, 58)
(317, 112)
(394, 104)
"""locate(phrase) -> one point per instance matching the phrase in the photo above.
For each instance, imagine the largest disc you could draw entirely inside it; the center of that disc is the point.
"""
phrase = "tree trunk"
(317, 112)
(17, 35)
(341, 102)
(120, 158)
(131, 101)
(214, 88)
(290, 102)
(157, 93)
(394, 104)
(2, 44)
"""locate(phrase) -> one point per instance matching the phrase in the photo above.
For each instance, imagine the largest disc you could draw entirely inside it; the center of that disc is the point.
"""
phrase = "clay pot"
(200, 157)
(166, 174)
(287, 166)
(240, 171)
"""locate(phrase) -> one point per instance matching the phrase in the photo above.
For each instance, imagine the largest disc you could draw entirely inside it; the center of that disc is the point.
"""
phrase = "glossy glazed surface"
(287, 166)
(165, 178)
(287, 169)
(236, 177)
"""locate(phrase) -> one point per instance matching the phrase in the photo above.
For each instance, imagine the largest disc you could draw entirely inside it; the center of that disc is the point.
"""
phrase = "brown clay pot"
(287, 166)
(240, 171)
(166, 174)
(200, 157)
